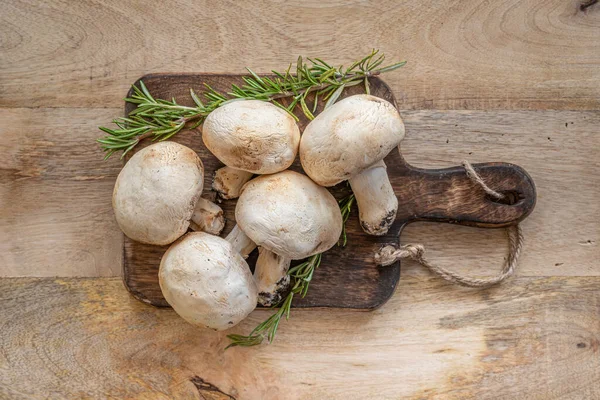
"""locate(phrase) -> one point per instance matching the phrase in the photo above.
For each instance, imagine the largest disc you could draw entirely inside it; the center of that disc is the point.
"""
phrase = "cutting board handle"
(448, 195)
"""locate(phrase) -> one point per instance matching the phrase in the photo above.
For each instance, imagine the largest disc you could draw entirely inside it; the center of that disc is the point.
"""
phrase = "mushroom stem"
(228, 182)
(271, 277)
(375, 198)
(208, 217)
(240, 241)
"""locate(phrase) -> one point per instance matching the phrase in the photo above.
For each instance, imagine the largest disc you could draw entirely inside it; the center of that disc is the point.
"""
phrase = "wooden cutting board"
(347, 277)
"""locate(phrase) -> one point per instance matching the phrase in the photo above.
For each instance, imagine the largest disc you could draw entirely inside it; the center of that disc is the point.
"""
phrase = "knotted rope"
(390, 254)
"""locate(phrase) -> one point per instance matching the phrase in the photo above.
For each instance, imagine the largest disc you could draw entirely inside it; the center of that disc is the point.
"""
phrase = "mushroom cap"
(207, 282)
(252, 135)
(289, 214)
(348, 137)
(156, 192)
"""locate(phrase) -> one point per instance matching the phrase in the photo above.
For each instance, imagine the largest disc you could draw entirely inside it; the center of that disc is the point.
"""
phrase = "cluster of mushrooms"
(287, 215)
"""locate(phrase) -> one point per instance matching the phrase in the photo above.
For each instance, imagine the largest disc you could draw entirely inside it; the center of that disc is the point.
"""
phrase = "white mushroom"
(348, 141)
(250, 135)
(207, 282)
(290, 218)
(157, 194)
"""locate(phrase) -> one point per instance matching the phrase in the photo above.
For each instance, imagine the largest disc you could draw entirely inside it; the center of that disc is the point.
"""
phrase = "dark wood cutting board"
(347, 277)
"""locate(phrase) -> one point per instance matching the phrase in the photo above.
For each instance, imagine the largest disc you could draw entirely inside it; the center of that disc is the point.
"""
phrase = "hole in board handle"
(511, 197)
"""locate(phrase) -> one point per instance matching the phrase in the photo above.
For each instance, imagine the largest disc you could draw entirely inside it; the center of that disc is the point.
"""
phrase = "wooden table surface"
(515, 81)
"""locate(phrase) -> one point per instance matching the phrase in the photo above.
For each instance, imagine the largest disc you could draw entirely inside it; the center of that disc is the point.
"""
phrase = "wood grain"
(348, 277)
(55, 212)
(535, 338)
(462, 55)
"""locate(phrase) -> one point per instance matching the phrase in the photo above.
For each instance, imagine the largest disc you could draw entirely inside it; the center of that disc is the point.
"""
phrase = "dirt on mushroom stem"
(348, 141)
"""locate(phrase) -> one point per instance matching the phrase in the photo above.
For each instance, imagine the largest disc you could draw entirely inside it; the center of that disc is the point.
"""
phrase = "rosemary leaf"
(261, 83)
(299, 68)
(334, 96)
(315, 103)
(392, 67)
(353, 83)
(278, 104)
(323, 63)
(345, 207)
(305, 109)
(146, 92)
(196, 98)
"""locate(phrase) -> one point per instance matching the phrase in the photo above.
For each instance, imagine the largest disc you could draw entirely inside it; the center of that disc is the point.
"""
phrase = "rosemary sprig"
(345, 207)
(301, 276)
(161, 119)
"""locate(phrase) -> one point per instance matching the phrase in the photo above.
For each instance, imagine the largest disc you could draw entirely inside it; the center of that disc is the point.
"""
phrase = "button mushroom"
(249, 137)
(157, 195)
(207, 282)
(290, 218)
(348, 141)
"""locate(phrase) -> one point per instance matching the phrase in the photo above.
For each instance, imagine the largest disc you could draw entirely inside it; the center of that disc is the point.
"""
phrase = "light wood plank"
(56, 218)
(55, 192)
(462, 55)
(536, 338)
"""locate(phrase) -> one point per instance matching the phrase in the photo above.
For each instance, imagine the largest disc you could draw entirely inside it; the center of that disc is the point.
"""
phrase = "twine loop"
(388, 255)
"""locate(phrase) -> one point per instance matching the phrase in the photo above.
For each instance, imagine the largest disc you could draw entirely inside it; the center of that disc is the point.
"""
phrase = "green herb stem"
(345, 207)
(301, 276)
(162, 119)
